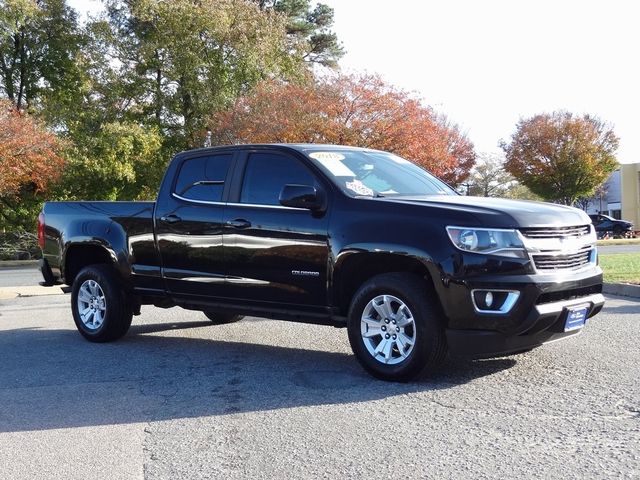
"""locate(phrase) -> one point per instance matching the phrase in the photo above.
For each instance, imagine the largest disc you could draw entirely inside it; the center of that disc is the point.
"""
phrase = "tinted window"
(267, 173)
(202, 178)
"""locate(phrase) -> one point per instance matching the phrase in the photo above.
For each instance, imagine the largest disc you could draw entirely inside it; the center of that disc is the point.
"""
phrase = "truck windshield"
(377, 174)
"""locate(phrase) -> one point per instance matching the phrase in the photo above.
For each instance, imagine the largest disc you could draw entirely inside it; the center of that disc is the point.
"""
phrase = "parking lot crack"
(449, 406)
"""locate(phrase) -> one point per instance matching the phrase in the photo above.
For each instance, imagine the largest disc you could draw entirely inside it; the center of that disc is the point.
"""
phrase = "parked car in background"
(605, 223)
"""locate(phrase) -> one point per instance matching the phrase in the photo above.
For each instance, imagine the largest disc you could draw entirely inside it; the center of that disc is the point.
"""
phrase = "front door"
(275, 253)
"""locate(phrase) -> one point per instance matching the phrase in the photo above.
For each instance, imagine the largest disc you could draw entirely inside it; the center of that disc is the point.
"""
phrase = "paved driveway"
(19, 276)
(179, 398)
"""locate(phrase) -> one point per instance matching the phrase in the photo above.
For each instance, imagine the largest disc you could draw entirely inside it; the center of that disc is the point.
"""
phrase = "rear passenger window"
(266, 174)
(202, 178)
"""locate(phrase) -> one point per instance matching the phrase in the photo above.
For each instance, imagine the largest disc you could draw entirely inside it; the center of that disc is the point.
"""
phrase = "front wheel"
(99, 304)
(220, 318)
(395, 328)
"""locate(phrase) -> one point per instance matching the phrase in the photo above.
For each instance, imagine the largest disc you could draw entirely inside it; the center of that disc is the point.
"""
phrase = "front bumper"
(536, 293)
(548, 325)
(537, 317)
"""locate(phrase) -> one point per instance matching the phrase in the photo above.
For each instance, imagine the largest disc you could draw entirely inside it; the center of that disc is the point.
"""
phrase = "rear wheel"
(395, 327)
(101, 310)
(219, 318)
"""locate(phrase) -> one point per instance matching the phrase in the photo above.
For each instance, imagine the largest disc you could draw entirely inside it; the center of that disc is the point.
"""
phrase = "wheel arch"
(355, 268)
(101, 241)
(79, 255)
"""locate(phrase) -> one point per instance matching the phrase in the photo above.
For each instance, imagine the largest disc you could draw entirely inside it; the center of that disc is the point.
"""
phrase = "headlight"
(506, 243)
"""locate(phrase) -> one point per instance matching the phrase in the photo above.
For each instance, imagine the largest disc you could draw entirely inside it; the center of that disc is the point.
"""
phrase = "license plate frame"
(576, 317)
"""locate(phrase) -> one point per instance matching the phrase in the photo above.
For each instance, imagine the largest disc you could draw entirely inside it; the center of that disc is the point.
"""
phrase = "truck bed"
(109, 224)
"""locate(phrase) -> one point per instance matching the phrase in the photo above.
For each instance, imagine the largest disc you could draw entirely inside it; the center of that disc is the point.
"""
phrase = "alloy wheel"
(388, 329)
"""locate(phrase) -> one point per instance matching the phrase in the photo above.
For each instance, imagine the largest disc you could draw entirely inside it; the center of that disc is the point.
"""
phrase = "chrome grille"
(556, 232)
(569, 261)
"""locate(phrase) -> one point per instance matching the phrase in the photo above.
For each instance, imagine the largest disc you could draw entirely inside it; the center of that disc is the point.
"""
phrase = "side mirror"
(302, 196)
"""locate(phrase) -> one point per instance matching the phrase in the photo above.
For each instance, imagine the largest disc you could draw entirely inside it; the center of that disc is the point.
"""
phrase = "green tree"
(561, 156)
(126, 90)
(309, 29)
(517, 191)
(121, 161)
(174, 62)
(488, 177)
(39, 47)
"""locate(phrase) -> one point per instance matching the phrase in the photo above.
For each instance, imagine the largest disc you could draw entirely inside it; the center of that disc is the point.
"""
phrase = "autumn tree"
(561, 156)
(30, 161)
(350, 110)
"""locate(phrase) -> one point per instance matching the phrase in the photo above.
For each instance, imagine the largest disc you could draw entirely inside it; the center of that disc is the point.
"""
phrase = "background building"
(630, 193)
(608, 198)
(619, 196)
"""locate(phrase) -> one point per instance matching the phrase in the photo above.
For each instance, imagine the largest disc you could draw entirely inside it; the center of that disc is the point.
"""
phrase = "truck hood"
(501, 211)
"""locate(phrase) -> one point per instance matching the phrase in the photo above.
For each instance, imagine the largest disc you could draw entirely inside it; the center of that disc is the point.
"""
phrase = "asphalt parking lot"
(179, 398)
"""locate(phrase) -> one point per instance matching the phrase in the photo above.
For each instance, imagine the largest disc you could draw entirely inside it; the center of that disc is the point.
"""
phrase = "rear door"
(275, 253)
(189, 225)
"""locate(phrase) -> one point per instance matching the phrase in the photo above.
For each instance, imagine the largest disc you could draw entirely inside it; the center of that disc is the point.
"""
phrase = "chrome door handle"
(238, 223)
(171, 218)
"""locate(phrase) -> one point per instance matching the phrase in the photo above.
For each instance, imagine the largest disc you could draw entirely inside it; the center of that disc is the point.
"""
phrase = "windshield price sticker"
(332, 161)
(358, 187)
(326, 156)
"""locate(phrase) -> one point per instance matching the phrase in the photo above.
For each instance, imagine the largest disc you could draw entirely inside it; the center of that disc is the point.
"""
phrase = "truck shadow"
(52, 379)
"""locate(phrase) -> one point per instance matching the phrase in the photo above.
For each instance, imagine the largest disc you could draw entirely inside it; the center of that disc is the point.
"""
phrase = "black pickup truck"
(342, 236)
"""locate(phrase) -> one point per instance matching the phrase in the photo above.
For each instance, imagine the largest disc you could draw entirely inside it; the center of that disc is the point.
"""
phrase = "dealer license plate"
(576, 317)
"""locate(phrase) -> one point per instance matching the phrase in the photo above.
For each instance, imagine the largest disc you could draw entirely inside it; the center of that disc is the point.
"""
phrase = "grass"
(621, 267)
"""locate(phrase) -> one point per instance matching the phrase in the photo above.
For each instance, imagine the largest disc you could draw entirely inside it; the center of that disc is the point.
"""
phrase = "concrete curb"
(622, 289)
(18, 263)
(7, 293)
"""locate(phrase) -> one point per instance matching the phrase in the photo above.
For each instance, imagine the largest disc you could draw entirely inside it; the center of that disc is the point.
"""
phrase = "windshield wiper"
(373, 195)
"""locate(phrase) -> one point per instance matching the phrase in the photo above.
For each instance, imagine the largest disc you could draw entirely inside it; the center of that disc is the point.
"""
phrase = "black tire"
(430, 346)
(617, 231)
(117, 313)
(220, 318)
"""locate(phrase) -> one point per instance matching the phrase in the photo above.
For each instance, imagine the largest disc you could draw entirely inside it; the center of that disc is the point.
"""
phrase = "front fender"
(356, 263)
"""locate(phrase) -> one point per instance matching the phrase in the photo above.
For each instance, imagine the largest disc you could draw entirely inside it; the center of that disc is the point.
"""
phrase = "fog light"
(488, 299)
(494, 301)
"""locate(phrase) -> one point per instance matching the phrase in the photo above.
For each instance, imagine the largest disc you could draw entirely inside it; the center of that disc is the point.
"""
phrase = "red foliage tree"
(29, 154)
(361, 111)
